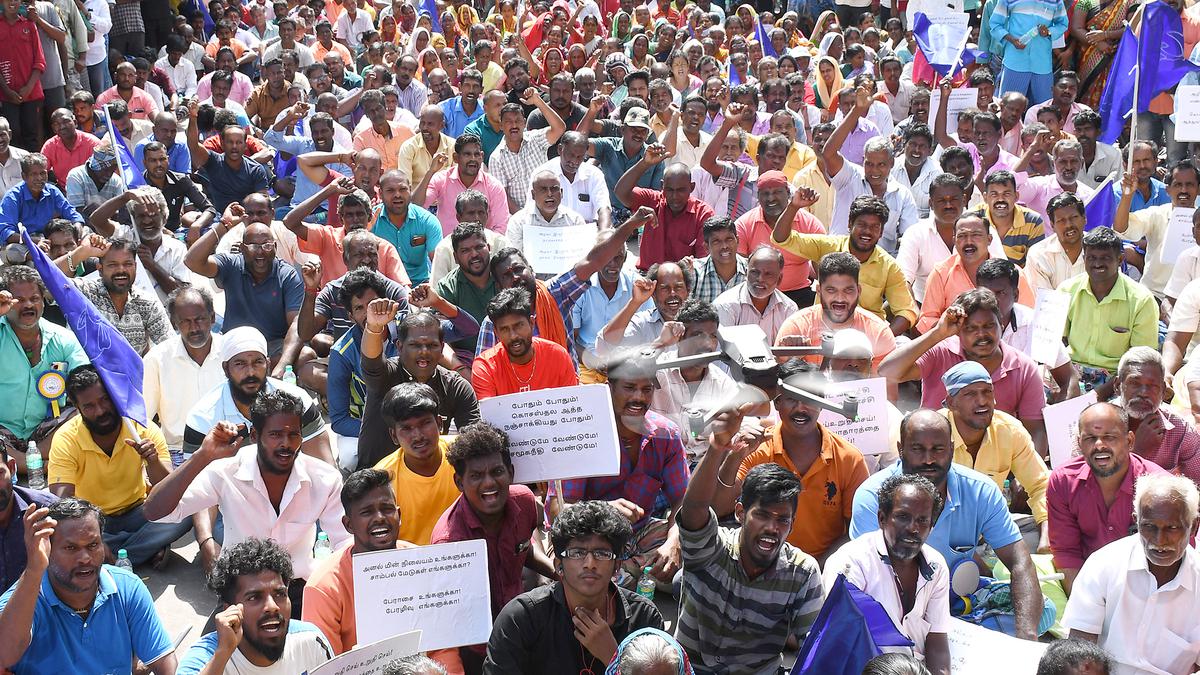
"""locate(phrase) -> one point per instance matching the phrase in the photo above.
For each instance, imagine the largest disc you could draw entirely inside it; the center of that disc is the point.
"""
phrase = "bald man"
(680, 231)
(543, 209)
(417, 153)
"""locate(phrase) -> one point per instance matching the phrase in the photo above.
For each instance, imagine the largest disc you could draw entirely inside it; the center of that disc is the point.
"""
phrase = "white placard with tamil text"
(556, 434)
(1179, 235)
(1187, 113)
(869, 430)
(1049, 321)
(1062, 427)
(960, 100)
(440, 589)
(979, 651)
(554, 250)
(373, 658)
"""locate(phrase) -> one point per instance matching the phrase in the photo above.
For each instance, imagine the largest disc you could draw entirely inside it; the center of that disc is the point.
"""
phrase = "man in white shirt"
(758, 300)
(544, 209)
(584, 189)
(1136, 597)
(179, 70)
(918, 169)
(895, 567)
(10, 158)
(287, 42)
(1055, 259)
(269, 489)
(351, 25)
(1100, 160)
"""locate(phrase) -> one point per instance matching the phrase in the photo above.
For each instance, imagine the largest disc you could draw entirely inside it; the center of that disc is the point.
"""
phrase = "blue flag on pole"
(132, 177)
(848, 632)
(119, 366)
(430, 7)
(944, 47)
(202, 7)
(1101, 209)
(760, 34)
(1158, 52)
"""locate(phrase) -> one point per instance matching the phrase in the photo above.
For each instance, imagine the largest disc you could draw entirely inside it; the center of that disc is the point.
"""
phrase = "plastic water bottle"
(1007, 492)
(35, 468)
(322, 549)
(289, 375)
(123, 560)
(646, 584)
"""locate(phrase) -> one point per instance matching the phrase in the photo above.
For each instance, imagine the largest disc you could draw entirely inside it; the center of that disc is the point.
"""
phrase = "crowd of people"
(330, 229)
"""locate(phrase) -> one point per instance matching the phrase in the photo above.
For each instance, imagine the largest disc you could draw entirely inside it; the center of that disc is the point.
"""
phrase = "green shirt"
(491, 138)
(25, 408)
(1099, 332)
(458, 290)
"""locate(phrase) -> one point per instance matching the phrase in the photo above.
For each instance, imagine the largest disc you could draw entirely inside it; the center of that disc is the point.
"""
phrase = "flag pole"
(112, 140)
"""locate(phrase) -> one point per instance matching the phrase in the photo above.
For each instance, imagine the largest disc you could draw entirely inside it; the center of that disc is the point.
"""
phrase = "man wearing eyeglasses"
(573, 625)
(260, 290)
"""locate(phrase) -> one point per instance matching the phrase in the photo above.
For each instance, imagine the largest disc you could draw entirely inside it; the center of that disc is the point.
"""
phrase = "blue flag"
(201, 6)
(732, 76)
(430, 7)
(760, 34)
(1101, 209)
(944, 47)
(119, 366)
(1158, 53)
(848, 632)
(129, 172)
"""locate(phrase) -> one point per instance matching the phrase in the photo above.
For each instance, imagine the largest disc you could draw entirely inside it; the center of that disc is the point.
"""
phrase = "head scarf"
(685, 666)
(412, 41)
(963, 375)
(103, 157)
(543, 76)
(827, 42)
(242, 339)
(828, 94)
(822, 23)
(617, 22)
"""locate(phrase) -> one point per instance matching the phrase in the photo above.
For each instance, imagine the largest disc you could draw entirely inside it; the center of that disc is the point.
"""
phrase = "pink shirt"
(1006, 161)
(445, 187)
(1017, 382)
(1079, 520)
(239, 93)
(754, 231)
(141, 104)
(1037, 191)
(62, 159)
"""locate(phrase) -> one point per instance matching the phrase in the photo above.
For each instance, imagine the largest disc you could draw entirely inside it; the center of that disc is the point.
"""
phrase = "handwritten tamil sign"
(440, 589)
(554, 250)
(1187, 113)
(869, 430)
(960, 100)
(979, 651)
(1179, 235)
(556, 434)
(373, 658)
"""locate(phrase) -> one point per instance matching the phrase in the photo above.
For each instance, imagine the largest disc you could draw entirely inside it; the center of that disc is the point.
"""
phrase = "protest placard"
(960, 100)
(1187, 113)
(441, 589)
(373, 658)
(1179, 235)
(869, 430)
(556, 434)
(1062, 427)
(1049, 321)
(554, 250)
(979, 651)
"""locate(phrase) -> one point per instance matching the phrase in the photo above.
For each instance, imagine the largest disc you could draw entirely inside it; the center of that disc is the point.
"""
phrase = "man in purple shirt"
(1090, 498)
(13, 502)
(492, 508)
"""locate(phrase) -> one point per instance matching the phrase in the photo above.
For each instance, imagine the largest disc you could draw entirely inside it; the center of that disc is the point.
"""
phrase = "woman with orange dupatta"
(1097, 26)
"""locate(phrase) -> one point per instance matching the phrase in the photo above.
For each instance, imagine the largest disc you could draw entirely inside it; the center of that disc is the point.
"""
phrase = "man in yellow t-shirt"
(95, 456)
(422, 479)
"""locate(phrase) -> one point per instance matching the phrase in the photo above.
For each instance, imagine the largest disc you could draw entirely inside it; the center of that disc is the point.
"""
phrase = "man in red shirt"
(68, 147)
(680, 231)
(21, 66)
(519, 361)
(493, 509)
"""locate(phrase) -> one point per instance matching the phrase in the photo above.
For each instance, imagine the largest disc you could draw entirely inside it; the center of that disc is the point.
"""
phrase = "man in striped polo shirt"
(747, 593)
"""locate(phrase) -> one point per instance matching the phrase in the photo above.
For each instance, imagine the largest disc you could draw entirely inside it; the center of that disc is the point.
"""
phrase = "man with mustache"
(100, 457)
(14, 500)
(137, 315)
(758, 300)
(1037, 191)
(584, 189)
(231, 174)
(636, 324)
(722, 268)
(610, 289)
(680, 215)
(1183, 183)
(470, 285)
(1090, 498)
(927, 450)
(520, 362)
(1131, 597)
(721, 565)
(991, 441)
(1017, 226)
(1053, 260)
(838, 291)
(373, 521)
(160, 269)
(65, 572)
(830, 468)
(899, 570)
(254, 629)
(442, 188)
(653, 463)
(1160, 435)
(956, 274)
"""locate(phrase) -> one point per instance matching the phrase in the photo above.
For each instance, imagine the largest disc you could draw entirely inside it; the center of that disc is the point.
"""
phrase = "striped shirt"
(730, 623)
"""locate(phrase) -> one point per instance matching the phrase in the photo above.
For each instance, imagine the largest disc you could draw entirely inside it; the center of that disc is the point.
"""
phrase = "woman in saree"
(552, 63)
(828, 82)
(832, 45)
(622, 27)
(427, 61)
(1097, 26)
(577, 57)
(826, 23)
(639, 52)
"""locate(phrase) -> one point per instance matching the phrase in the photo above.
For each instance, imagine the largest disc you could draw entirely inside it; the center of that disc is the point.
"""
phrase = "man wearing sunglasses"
(573, 625)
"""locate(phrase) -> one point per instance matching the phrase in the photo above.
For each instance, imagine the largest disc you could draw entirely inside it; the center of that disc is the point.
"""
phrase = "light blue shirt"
(122, 623)
(1158, 195)
(1021, 18)
(298, 145)
(457, 119)
(178, 158)
(974, 508)
(595, 309)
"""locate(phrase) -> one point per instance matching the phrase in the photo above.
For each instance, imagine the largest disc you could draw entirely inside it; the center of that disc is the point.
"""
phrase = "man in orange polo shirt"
(830, 469)
(956, 274)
